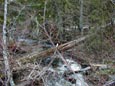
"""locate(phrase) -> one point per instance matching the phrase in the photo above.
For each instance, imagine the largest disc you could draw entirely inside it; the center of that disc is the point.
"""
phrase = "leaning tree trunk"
(8, 75)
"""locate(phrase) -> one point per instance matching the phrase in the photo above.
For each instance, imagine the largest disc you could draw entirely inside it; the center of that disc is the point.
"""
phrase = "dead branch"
(36, 55)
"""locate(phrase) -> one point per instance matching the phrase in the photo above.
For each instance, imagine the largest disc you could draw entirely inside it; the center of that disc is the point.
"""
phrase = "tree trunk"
(81, 17)
(8, 75)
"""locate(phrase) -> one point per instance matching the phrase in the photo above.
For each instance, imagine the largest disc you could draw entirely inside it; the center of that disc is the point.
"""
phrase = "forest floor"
(102, 65)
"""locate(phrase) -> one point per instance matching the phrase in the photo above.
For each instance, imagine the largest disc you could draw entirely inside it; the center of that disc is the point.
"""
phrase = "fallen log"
(36, 55)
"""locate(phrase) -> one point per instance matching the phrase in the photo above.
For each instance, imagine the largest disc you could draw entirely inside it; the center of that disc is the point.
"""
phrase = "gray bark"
(8, 74)
(81, 17)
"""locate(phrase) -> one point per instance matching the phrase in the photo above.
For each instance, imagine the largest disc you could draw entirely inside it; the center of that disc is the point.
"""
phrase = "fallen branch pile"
(37, 55)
